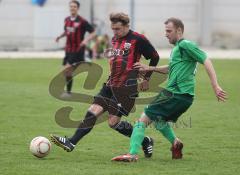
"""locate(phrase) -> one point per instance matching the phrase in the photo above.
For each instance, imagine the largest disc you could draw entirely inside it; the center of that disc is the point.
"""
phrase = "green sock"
(137, 137)
(166, 130)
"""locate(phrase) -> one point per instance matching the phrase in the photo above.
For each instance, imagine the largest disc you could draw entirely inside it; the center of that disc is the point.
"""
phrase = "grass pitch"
(209, 130)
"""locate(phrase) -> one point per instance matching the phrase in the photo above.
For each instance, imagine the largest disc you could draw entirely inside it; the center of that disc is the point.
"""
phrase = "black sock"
(69, 82)
(126, 129)
(84, 128)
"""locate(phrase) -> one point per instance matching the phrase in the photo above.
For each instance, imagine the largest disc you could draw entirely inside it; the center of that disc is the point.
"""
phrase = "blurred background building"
(25, 25)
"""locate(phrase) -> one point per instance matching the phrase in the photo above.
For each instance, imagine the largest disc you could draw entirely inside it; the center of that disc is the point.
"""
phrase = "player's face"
(119, 30)
(73, 9)
(171, 33)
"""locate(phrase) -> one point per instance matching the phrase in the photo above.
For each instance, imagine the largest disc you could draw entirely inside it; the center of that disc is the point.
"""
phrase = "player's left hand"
(141, 67)
(57, 39)
(220, 94)
(144, 85)
(82, 44)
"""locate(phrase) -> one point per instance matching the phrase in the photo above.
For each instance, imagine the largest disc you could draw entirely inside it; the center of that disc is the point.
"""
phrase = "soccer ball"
(40, 146)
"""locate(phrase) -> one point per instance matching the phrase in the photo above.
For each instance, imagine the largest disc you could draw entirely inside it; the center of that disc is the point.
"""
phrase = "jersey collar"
(180, 40)
(130, 31)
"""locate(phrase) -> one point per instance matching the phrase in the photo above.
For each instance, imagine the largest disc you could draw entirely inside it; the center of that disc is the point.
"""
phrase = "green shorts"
(168, 106)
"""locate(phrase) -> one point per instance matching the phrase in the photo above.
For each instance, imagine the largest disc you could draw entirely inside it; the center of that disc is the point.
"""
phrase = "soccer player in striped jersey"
(117, 96)
(178, 96)
(75, 28)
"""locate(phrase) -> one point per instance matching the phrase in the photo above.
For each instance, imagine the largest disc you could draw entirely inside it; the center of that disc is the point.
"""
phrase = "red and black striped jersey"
(75, 30)
(127, 51)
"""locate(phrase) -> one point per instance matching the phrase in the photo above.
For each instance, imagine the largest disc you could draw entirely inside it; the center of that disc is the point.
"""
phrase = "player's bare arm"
(60, 36)
(145, 68)
(219, 92)
(88, 38)
(144, 85)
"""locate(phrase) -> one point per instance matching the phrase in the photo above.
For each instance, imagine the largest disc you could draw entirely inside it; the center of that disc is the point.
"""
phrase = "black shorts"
(74, 58)
(117, 101)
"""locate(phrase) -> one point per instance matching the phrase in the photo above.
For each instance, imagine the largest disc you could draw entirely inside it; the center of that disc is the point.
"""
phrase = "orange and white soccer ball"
(40, 146)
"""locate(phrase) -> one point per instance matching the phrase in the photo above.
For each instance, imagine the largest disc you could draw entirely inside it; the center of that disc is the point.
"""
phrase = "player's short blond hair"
(176, 22)
(119, 17)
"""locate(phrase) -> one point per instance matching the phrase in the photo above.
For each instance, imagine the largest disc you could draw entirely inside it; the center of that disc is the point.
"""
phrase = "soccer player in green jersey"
(179, 93)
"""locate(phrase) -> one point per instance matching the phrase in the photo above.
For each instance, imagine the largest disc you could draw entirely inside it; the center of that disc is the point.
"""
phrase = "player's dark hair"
(119, 17)
(75, 2)
(176, 22)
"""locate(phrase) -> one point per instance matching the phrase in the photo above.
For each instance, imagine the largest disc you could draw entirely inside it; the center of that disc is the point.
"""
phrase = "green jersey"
(182, 67)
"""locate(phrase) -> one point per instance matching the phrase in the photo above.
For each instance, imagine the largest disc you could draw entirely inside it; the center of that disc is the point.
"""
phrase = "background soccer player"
(179, 93)
(75, 28)
(118, 94)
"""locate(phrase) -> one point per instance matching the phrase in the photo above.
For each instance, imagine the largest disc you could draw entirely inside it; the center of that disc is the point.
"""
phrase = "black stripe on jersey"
(76, 36)
(131, 77)
(125, 58)
(114, 62)
(70, 38)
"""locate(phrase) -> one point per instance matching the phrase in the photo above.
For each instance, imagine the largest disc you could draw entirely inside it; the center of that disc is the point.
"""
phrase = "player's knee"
(113, 122)
(96, 109)
(68, 71)
(145, 119)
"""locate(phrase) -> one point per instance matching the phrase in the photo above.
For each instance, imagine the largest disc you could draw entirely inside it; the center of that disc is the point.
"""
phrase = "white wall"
(49, 20)
(25, 26)
(16, 27)
(153, 15)
(226, 26)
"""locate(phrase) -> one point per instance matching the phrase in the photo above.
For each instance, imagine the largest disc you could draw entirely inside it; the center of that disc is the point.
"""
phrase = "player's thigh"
(68, 59)
(157, 106)
(181, 104)
(103, 97)
(168, 108)
(77, 57)
(120, 106)
(73, 58)
(81, 55)
(122, 101)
